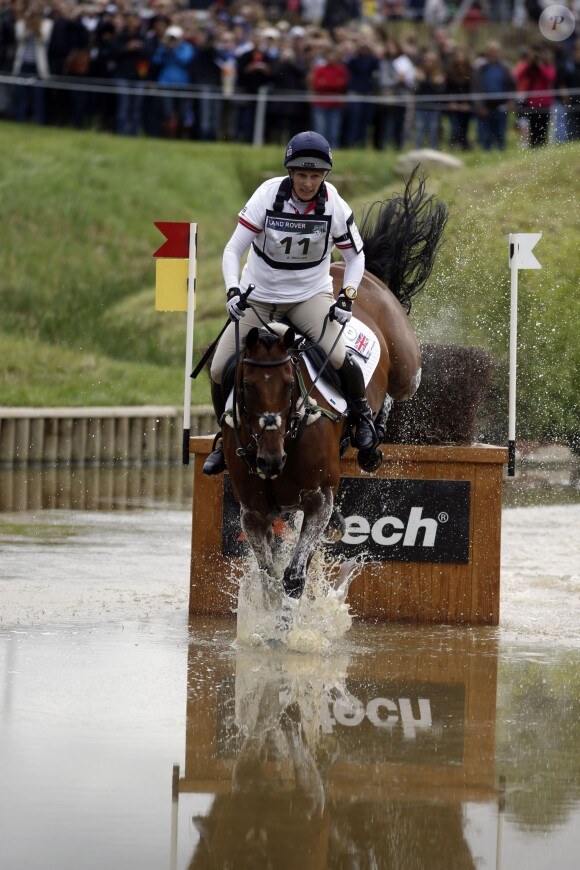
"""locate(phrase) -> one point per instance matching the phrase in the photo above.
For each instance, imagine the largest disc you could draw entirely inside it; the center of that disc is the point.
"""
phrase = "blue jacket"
(175, 64)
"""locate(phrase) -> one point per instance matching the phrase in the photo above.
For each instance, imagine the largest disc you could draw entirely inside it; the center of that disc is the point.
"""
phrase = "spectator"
(396, 80)
(339, 12)
(153, 106)
(77, 62)
(254, 71)
(32, 32)
(571, 99)
(559, 116)
(435, 13)
(102, 67)
(444, 46)
(329, 79)
(129, 51)
(493, 77)
(227, 62)
(207, 77)
(534, 77)
(289, 76)
(458, 83)
(363, 71)
(429, 83)
(7, 36)
(175, 57)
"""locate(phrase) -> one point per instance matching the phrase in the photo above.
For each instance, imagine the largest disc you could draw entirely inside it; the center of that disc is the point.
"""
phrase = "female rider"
(291, 225)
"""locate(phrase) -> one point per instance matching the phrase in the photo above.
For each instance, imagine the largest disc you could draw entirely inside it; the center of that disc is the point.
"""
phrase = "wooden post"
(422, 592)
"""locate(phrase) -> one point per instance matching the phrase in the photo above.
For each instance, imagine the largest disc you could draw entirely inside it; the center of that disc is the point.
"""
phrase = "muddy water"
(132, 737)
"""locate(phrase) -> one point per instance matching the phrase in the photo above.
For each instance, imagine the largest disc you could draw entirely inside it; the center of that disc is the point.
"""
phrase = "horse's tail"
(401, 236)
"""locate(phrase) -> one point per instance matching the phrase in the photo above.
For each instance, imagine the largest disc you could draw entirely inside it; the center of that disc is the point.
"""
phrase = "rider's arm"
(355, 266)
(233, 253)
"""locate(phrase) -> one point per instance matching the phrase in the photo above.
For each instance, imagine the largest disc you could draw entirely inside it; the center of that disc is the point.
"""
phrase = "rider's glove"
(341, 310)
(235, 304)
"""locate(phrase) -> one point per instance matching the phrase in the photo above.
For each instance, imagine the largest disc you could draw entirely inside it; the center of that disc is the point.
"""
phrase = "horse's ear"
(289, 337)
(252, 338)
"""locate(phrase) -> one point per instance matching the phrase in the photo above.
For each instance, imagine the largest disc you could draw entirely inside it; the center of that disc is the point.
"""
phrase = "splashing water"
(266, 617)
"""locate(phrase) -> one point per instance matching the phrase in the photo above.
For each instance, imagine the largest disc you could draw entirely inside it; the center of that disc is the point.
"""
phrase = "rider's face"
(306, 182)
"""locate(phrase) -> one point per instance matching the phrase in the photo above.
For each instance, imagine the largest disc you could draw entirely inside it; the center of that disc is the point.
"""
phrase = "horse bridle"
(295, 421)
(272, 420)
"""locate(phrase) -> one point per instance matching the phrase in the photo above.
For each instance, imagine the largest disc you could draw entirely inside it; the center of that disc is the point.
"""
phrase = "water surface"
(132, 736)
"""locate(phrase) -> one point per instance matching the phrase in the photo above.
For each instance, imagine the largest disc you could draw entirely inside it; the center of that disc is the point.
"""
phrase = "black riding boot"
(353, 384)
(216, 462)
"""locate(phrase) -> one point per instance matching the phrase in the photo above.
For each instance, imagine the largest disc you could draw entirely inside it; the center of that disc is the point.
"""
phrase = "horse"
(284, 444)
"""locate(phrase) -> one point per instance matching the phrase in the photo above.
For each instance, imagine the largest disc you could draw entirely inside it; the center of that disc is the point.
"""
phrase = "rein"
(295, 420)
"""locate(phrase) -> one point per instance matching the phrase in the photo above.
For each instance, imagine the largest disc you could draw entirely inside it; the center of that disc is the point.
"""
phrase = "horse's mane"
(401, 236)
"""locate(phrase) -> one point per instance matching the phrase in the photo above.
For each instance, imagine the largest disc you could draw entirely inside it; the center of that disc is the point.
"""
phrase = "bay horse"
(281, 459)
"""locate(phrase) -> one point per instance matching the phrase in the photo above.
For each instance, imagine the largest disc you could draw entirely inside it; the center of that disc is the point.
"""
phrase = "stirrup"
(216, 461)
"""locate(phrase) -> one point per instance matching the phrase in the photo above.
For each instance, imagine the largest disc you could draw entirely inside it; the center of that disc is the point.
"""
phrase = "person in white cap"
(175, 56)
(291, 225)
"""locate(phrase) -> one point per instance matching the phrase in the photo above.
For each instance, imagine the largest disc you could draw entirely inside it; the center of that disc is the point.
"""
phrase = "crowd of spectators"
(195, 71)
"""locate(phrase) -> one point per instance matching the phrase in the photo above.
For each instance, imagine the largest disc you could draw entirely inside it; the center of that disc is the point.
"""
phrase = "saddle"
(314, 354)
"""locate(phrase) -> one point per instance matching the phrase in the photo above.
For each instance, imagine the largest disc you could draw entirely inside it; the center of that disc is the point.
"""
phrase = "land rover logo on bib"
(387, 520)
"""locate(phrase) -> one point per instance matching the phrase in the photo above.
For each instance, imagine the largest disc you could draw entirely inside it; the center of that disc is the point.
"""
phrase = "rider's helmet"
(308, 150)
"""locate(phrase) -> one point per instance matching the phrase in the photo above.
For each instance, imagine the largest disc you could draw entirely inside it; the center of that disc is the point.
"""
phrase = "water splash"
(267, 617)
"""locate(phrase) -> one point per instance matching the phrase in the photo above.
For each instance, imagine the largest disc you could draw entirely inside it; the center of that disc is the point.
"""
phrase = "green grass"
(78, 324)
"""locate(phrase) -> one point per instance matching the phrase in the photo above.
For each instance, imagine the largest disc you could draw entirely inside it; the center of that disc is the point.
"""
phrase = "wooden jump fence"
(132, 435)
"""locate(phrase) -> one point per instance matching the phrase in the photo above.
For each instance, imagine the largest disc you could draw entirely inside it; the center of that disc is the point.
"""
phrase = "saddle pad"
(367, 351)
(362, 342)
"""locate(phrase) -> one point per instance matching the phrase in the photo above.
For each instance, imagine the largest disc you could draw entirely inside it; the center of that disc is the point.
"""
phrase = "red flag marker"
(177, 235)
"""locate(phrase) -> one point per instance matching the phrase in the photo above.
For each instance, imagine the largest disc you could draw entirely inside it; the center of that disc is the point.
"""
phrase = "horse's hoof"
(370, 460)
(336, 527)
(293, 586)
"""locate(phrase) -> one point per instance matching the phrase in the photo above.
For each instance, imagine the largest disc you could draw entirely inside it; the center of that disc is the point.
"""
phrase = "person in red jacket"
(329, 79)
(535, 77)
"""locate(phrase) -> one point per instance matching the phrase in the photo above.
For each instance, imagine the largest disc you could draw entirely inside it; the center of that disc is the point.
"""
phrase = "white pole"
(513, 354)
(189, 340)
(500, 823)
(174, 817)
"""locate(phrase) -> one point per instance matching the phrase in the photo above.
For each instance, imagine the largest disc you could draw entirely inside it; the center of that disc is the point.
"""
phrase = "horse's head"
(267, 396)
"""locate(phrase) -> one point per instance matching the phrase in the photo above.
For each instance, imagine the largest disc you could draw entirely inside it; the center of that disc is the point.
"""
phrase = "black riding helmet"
(308, 150)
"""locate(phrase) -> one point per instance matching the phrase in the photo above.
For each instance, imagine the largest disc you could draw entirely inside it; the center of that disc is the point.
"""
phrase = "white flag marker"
(520, 257)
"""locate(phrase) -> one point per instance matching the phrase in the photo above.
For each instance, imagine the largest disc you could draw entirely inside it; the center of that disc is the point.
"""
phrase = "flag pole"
(521, 257)
(513, 350)
(189, 339)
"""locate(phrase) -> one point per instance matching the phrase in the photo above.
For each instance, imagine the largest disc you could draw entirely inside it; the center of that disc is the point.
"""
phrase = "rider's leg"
(353, 384)
(308, 318)
(215, 462)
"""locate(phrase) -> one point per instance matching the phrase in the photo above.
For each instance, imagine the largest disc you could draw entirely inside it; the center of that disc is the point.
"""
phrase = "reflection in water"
(121, 487)
(353, 762)
(95, 488)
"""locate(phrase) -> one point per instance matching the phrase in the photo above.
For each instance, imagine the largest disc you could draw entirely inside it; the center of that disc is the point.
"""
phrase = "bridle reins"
(269, 420)
(296, 419)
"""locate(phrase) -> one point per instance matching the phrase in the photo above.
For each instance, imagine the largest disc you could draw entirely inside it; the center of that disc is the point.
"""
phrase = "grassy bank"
(78, 324)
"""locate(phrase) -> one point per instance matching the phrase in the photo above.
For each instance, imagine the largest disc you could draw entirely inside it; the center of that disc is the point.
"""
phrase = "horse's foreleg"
(317, 507)
(260, 536)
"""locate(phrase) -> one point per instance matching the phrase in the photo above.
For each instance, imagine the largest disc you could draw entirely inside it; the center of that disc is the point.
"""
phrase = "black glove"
(341, 310)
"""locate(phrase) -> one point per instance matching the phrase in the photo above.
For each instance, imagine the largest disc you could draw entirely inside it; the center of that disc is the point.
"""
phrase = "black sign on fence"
(387, 520)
